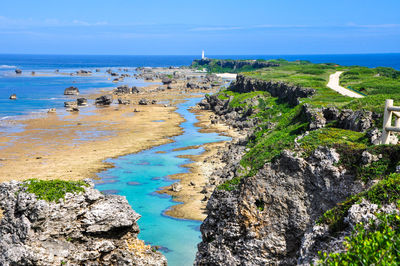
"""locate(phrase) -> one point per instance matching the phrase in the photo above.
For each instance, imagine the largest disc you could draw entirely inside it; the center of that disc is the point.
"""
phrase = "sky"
(220, 27)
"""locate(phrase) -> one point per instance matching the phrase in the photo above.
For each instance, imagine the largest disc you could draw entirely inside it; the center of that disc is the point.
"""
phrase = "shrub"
(377, 245)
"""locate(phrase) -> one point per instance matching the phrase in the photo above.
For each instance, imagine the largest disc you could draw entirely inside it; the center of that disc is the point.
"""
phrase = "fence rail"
(390, 110)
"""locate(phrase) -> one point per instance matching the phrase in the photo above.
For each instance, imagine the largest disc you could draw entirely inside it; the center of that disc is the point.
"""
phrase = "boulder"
(83, 73)
(124, 89)
(82, 101)
(143, 101)
(18, 71)
(13, 97)
(70, 104)
(166, 80)
(104, 100)
(71, 91)
(176, 187)
(123, 101)
(153, 101)
(135, 89)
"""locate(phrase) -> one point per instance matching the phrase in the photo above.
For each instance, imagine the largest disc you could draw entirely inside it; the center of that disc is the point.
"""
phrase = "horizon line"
(372, 53)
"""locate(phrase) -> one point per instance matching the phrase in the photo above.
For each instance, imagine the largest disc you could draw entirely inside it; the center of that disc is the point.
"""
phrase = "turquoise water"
(139, 176)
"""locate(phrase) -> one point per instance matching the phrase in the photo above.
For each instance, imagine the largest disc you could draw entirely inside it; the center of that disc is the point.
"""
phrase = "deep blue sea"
(136, 176)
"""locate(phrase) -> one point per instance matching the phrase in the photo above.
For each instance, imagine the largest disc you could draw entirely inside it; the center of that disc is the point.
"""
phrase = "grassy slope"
(268, 142)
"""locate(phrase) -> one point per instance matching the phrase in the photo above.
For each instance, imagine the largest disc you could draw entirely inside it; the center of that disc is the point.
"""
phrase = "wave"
(7, 66)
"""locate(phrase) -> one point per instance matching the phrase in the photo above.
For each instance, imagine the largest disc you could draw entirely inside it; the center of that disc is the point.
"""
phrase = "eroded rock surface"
(263, 221)
(89, 228)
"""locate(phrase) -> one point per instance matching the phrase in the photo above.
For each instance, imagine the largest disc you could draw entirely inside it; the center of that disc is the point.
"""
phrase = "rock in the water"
(88, 228)
(104, 100)
(18, 71)
(70, 104)
(82, 101)
(13, 97)
(71, 91)
(143, 101)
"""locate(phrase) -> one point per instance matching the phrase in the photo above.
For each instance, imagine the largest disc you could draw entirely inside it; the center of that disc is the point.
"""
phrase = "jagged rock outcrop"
(88, 228)
(263, 221)
(286, 92)
(237, 117)
(360, 121)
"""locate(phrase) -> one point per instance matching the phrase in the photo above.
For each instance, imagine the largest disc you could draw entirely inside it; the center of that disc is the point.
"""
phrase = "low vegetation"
(375, 244)
(53, 190)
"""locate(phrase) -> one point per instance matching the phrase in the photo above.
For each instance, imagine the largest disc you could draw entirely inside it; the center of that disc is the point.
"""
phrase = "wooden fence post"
(387, 122)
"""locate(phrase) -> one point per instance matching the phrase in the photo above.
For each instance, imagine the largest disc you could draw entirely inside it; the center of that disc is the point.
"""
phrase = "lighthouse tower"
(202, 55)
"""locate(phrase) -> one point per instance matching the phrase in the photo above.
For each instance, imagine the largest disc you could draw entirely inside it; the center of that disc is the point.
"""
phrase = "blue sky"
(185, 27)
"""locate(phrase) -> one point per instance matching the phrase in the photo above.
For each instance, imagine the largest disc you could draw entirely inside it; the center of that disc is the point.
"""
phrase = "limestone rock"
(71, 91)
(104, 100)
(83, 229)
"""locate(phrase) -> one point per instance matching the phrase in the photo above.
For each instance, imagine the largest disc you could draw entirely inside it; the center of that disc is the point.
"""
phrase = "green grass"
(53, 190)
(332, 137)
(372, 81)
(241, 99)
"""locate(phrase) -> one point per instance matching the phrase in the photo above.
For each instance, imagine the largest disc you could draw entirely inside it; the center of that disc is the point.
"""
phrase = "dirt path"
(334, 85)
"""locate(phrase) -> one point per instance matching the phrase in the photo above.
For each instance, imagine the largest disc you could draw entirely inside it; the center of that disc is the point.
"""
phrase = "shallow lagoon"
(139, 176)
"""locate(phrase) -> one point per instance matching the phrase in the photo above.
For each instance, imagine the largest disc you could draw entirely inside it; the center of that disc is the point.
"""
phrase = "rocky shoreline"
(88, 228)
(270, 218)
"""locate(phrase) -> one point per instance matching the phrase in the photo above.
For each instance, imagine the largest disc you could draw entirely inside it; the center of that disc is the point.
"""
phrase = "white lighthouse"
(202, 55)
